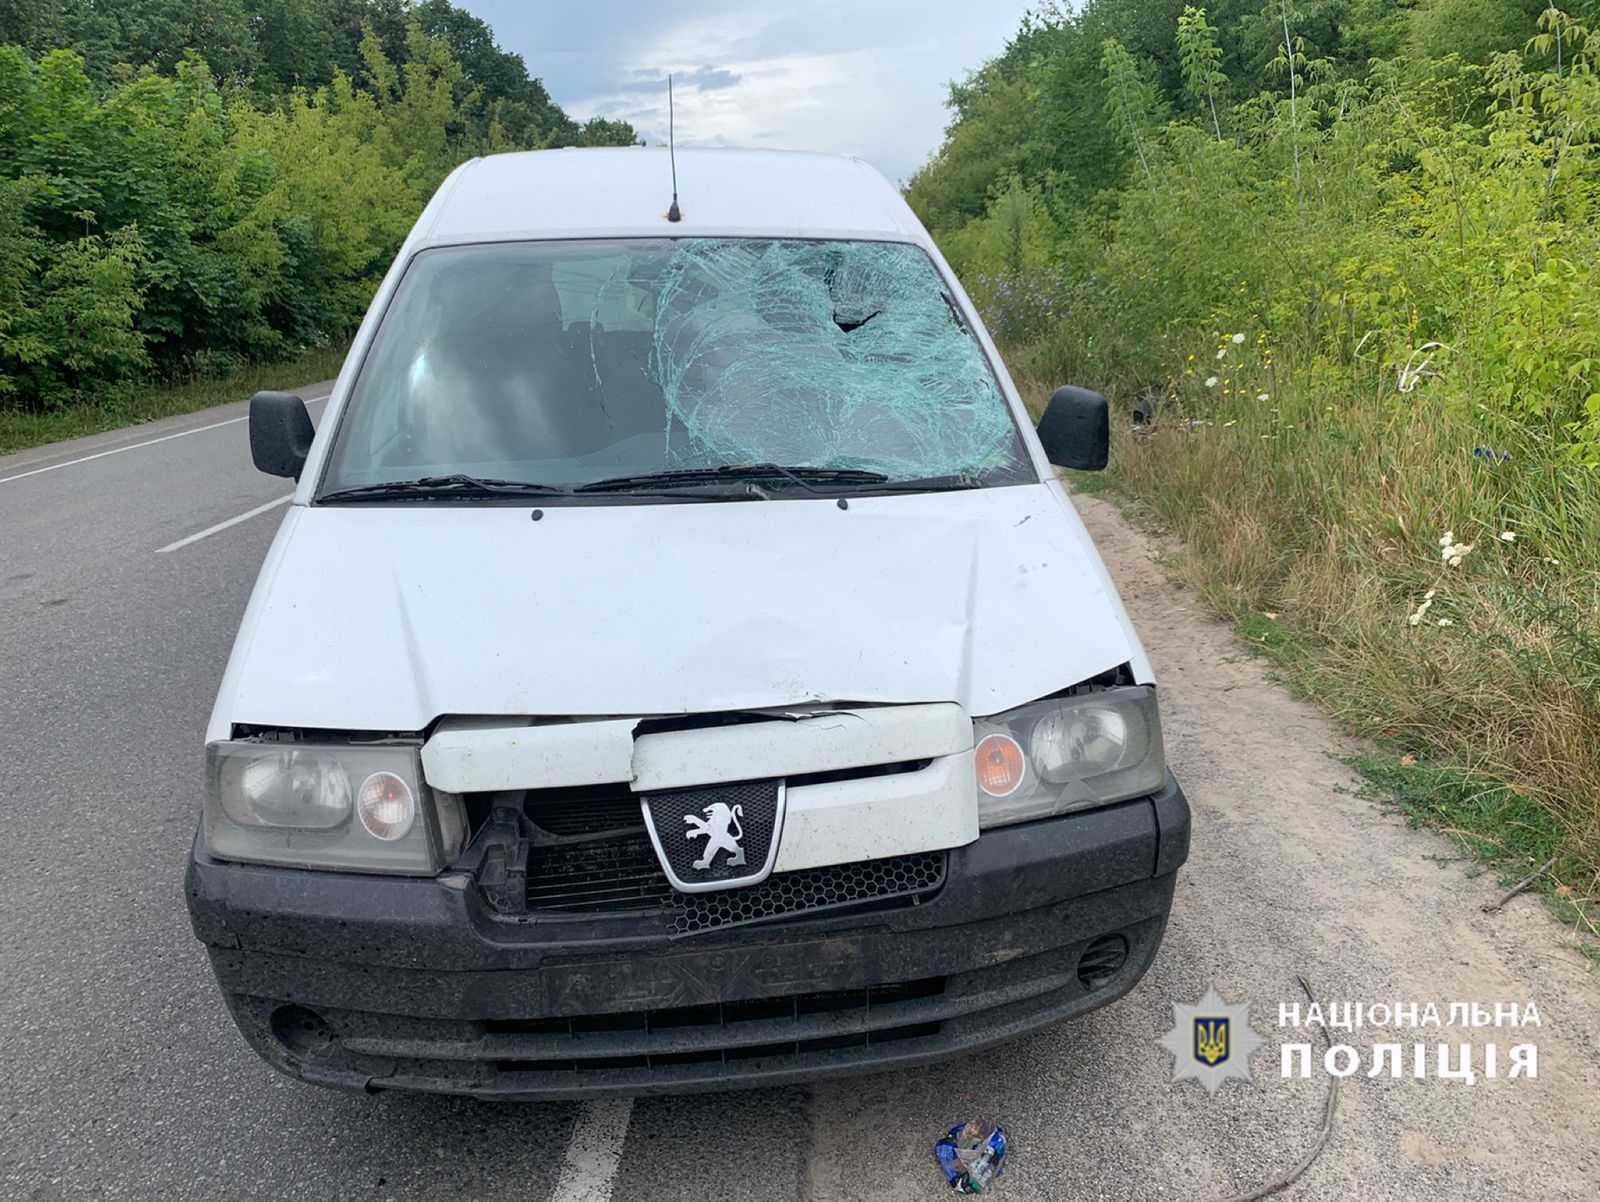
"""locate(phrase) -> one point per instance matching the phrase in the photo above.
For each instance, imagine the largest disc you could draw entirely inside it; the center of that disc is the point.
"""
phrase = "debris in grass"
(1491, 907)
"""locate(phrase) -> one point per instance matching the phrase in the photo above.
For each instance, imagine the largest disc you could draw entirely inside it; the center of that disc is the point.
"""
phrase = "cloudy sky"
(866, 77)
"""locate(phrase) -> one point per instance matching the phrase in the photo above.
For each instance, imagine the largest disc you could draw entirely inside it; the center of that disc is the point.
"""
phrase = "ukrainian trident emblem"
(1211, 1040)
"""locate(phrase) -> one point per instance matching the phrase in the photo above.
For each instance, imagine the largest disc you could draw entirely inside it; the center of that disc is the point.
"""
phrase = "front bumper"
(370, 982)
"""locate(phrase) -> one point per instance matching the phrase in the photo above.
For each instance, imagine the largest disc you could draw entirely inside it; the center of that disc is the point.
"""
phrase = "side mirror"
(1076, 429)
(280, 433)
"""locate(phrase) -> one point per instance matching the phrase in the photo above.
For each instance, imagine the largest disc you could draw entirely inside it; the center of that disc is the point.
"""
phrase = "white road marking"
(134, 446)
(221, 526)
(594, 1153)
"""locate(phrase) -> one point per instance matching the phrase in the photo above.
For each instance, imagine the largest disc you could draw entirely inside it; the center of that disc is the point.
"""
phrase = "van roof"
(626, 191)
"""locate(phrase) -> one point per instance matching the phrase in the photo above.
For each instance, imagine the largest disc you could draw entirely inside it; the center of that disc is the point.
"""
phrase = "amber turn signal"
(999, 764)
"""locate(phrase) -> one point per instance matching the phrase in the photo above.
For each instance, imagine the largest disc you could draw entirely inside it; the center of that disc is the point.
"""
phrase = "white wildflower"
(1238, 340)
(1453, 555)
(1222, 353)
(1427, 603)
(1211, 381)
(1429, 595)
(1446, 539)
(1508, 536)
(1446, 622)
(1263, 396)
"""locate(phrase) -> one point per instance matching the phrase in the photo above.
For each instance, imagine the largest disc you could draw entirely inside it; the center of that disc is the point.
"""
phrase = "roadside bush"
(1365, 295)
(154, 220)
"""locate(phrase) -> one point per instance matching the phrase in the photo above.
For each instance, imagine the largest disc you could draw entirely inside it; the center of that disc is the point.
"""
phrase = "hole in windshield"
(568, 363)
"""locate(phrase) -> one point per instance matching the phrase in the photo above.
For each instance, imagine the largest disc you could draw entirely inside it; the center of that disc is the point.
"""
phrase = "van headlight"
(1068, 753)
(309, 805)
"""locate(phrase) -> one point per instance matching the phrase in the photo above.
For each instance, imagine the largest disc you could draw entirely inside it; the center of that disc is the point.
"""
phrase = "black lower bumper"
(383, 983)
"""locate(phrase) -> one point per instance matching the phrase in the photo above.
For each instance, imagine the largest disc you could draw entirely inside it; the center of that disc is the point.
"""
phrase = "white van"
(680, 666)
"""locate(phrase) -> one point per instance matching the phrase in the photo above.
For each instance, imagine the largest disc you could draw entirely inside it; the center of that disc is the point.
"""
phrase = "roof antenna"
(673, 214)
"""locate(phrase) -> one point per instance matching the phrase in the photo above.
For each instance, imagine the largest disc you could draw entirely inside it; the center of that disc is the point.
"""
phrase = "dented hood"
(388, 617)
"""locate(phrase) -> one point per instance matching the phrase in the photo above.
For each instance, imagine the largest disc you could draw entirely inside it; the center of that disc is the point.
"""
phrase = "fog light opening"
(1102, 960)
(304, 1032)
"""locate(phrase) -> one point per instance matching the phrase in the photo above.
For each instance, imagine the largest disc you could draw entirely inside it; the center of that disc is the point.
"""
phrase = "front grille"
(651, 1047)
(588, 811)
(599, 877)
(757, 1051)
(587, 852)
(810, 889)
(720, 1031)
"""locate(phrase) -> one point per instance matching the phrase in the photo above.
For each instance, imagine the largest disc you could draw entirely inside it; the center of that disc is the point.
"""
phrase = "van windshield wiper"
(800, 474)
(456, 485)
(951, 483)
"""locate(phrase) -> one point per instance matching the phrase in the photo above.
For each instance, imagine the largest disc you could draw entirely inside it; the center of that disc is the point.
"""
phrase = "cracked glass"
(566, 363)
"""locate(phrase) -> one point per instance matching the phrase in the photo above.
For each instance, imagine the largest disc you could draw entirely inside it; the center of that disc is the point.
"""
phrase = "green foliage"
(1371, 218)
(1476, 30)
(1130, 100)
(1200, 58)
(188, 185)
(1364, 292)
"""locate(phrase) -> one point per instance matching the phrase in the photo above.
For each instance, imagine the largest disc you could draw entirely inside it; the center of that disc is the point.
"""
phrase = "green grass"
(146, 402)
(1268, 635)
(1094, 484)
(1493, 822)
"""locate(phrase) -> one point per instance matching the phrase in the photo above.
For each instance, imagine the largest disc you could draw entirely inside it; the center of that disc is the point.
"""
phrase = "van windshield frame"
(568, 363)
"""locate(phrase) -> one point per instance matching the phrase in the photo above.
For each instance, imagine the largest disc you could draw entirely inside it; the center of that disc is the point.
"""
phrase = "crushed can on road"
(972, 1155)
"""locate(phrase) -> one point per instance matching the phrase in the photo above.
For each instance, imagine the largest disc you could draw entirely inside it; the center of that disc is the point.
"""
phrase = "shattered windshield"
(572, 363)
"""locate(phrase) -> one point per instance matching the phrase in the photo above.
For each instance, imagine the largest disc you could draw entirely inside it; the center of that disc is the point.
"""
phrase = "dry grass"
(1324, 510)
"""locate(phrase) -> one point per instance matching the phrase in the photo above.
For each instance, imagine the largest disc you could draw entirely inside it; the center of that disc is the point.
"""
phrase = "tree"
(296, 43)
(1201, 60)
(185, 184)
(1130, 100)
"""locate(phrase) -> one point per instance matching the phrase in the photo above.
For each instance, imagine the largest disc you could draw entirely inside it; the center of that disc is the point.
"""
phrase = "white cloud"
(858, 79)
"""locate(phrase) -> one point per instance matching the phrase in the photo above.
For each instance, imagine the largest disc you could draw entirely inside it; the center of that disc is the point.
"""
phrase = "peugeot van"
(680, 666)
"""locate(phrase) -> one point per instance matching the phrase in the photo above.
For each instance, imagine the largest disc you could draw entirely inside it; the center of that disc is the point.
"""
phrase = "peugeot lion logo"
(721, 830)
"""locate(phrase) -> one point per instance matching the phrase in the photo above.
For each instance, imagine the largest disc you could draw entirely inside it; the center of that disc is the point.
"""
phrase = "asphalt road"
(122, 1077)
